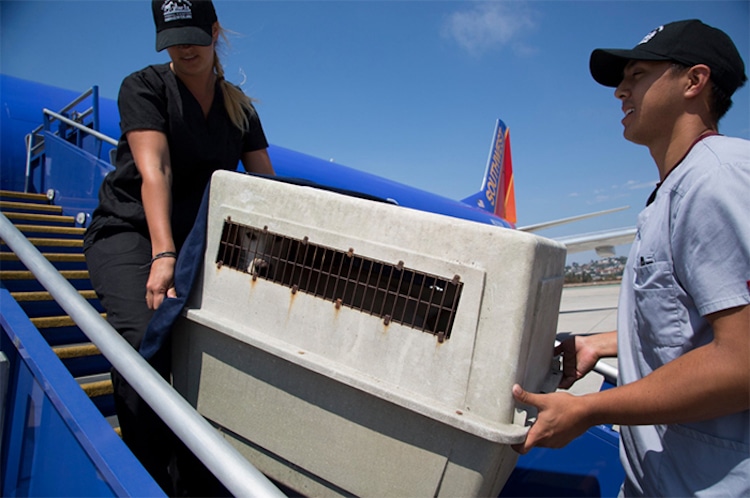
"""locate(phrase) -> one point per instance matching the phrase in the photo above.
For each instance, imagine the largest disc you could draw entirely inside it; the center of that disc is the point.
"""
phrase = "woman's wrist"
(165, 254)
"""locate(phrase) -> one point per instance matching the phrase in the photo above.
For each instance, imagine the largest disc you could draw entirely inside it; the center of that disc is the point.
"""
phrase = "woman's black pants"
(119, 269)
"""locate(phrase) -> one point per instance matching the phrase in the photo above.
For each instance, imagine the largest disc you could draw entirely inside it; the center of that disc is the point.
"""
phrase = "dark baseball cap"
(183, 22)
(688, 42)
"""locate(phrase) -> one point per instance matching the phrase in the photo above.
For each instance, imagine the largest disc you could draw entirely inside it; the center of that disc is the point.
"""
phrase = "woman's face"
(193, 60)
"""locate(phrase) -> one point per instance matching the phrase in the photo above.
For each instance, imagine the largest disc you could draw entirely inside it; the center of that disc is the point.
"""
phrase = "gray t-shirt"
(690, 258)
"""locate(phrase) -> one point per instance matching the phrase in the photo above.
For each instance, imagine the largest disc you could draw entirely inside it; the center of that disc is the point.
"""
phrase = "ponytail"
(237, 104)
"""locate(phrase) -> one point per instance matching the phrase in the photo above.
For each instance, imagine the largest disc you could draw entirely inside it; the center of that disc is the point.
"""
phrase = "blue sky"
(409, 90)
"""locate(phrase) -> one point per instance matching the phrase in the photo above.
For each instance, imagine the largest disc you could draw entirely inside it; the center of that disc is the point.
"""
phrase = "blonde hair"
(237, 104)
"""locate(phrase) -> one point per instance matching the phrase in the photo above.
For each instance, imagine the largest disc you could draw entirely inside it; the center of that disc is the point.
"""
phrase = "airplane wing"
(562, 221)
(602, 242)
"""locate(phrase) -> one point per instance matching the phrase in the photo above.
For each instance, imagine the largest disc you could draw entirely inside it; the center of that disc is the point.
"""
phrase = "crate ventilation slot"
(395, 294)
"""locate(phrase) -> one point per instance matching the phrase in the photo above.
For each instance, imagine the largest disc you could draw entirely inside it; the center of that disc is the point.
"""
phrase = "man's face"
(651, 100)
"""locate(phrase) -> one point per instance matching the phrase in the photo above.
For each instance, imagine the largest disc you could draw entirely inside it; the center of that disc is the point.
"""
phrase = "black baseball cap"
(688, 42)
(183, 22)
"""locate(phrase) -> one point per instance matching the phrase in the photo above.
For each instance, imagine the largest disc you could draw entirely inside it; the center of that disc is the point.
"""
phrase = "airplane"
(589, 467)
(493, 204)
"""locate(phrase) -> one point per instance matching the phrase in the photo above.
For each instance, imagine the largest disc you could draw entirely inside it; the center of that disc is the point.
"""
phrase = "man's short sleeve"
(711, 238)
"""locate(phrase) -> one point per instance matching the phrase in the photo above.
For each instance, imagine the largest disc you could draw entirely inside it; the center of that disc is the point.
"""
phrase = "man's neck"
(681, 141)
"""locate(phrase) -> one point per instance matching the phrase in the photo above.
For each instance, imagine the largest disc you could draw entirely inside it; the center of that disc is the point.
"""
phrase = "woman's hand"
(160, 283)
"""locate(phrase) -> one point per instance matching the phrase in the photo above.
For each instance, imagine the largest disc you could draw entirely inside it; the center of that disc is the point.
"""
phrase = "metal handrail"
(75, 124)
(32, 149)
(79, 99)
(607, 371)
(237, 474)
(29, 139)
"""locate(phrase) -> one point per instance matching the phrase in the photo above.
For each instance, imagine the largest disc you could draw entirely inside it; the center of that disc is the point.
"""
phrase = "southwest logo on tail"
(497, 195)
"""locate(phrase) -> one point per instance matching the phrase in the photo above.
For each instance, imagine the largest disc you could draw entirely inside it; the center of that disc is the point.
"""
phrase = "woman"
(180, 122)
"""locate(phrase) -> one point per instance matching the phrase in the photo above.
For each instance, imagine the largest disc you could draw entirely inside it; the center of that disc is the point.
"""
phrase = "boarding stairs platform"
(60, 241)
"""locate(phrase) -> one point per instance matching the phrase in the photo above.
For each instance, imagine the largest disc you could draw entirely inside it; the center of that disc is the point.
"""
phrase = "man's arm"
(707, 382)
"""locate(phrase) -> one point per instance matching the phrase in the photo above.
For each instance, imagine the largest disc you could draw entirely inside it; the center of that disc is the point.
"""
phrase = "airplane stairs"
(61, 243)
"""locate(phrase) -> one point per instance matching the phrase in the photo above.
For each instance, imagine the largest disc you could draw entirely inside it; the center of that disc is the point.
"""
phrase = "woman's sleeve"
(142, 103)
(255, 138)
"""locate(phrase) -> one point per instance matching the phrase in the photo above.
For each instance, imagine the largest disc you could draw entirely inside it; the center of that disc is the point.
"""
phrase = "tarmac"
(588, 309)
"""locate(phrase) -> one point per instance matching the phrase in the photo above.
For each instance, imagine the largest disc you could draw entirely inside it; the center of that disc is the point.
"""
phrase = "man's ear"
(698, 77)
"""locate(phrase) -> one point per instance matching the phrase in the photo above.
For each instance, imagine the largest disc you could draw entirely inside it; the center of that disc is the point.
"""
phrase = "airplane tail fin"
(497, 195)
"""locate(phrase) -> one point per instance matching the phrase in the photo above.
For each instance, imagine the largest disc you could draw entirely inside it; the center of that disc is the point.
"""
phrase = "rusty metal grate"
(394, 293)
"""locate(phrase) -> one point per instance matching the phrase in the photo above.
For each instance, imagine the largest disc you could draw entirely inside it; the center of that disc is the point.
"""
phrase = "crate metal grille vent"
(396, 294)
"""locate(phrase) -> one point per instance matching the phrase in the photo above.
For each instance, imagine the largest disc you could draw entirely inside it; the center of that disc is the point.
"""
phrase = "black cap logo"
(651, 35)
(177, 10)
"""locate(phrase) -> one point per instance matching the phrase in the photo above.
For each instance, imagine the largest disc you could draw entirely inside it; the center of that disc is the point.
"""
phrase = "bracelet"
(165, 254)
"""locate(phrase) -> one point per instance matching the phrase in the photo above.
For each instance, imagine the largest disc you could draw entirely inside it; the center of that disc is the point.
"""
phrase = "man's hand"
(559, 421)
(581, 352)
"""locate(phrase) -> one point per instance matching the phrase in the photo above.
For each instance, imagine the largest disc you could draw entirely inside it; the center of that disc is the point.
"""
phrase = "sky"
(409, 90)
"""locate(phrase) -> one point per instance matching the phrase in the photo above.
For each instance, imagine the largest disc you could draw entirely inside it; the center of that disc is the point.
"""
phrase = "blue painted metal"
(286, 162)
(55, 441)
(294, 164)
(588, 466)
(22, 104)
(74, 174)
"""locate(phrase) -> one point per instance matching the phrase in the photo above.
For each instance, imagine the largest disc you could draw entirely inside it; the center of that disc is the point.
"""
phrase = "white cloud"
(633, 185)
(490, 25)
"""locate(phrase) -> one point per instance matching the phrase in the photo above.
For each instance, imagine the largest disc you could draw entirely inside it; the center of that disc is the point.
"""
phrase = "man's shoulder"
(716, 165)
(715, 157)
(727, 149)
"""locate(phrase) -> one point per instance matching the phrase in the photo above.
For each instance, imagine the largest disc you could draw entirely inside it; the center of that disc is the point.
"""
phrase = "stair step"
(82, 359)
(50, 256)
(51, 242)
(46, 218)
(34, 296)
(43, 208)
(76, 351)
(98, 388)
(20, 279)
(48, 322)
(27, 275)
(44, 229)
(27, 196)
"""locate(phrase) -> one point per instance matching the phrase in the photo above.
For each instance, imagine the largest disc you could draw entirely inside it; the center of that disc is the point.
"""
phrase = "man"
(683, 339)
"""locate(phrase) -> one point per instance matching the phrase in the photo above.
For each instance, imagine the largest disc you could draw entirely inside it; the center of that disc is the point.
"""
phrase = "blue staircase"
(59, 429)
(59, 239)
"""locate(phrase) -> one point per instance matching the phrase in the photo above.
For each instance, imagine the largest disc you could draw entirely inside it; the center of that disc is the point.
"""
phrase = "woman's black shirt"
(155, 99)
